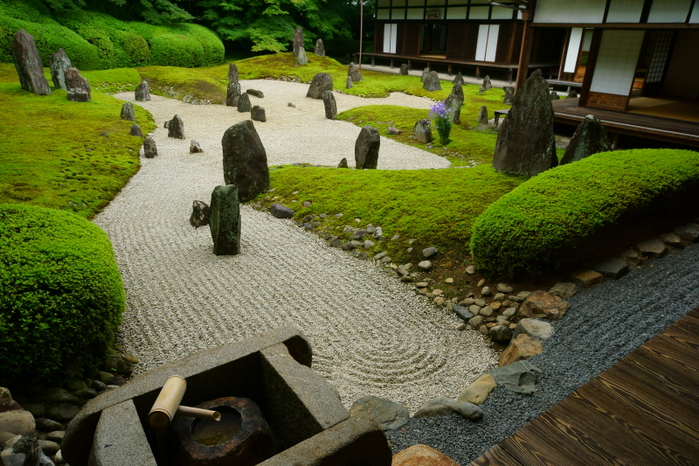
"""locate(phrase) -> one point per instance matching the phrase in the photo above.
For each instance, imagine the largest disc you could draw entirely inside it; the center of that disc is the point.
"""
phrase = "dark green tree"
(151, 11)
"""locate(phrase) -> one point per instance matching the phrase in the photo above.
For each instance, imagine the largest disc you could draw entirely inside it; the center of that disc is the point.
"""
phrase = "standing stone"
(349, 84)
(424, 75)
(458, 91)
(555, 96)
(142, 93)
(78, 88)
(487, 85)
(245, 160)
(589, 138)
(232, 94)
(176, 128)
(257, 113)
(28, 64)
(298, 41)
(232, 73)
(136, 131)
(224, 220)
(149, 148)
(483, 115)
(244, 104)
(330, 105)
(573, 94)
(320, 83)
(319, 48)
(422, 131)
(366, 148)
(200, 214)
(59, 64)
(302, 58)
(525, 144)
(459, 79)
(509, 95)
(127, 112)
(454, 102)
(431, 82)
(343, 163)
(195, 147)
(354, 73)
(403, 69)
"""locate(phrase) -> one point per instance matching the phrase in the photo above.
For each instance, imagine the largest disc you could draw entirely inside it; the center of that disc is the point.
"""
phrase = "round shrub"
(175, 50)
(540, 224)
(61, 294)
(136, 49)
(105, 48)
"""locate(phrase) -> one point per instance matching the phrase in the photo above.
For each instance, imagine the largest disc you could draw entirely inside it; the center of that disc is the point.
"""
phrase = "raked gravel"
(371, 334)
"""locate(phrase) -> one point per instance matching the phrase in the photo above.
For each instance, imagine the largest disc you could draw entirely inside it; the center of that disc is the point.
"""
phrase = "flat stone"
(672, 239)
(462, 312)
(535, 328)
(687, 233)
(519, 377)
(387, 414)
(474, 309)
(421, 455)
(587, 278)
(470, 270)
(58, 395)
(281, 211)
(522, 347)
(652, 248)
(442, 406)
(505, 288)
(120, 430)
(429, 253)
(62, 412)
(611, 268)
(49, 447)
(479, 390)
(48, 425)
(543, 304)
(495, 305)
(565, 290)
(631, 257)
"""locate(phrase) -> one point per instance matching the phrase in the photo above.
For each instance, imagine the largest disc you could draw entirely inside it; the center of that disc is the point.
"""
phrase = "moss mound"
(545, 222)
(61, 294)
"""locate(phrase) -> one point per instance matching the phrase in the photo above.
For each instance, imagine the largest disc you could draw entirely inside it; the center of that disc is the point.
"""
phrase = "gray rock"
(256, 93)
(443, 406)
(589, 138)
(631, 257)
(58, 395)
(233, 92)
(687, 233)
(245, 160)
(281, 211)
(573, 94)
(475, 309)
(509, 95)
(535, 328)
(422, 131)
(232, 73)
(136, 131)
(487, 85)
(652, 248)
(470, 270)
(320, 83)
(387, 414)
(77, 87)
(195, 147)
(486, 311)
(298, 41)
(543, 304)
(224, 220)
(176, 128)
(366, 148)
(519, 377)
(483, 115)
(424, 74)
(17, 422)
(672, 239)
(565, 290)
(501, 333)
(302, 58)
(525, 144)
(453, 105)
(343, 163)
(459, 79)
(349, 84)
(462, 312)
(480, 302)
(244, 104)
(485, 291)
(554, 95)
(21, 451)
(431, 82)
(62, 412)
(393, 131)
(403, 69)
(127, 112)
(424, 266)
(257, 113)
(430, 252)
(142, 92)
(98, 385)
(330, 105)
(359, 234)
(149, 148)
(59, 64)
(611, 268)
(200, 214)
(30, 70)
(504, 288)
(319, 48)
(354, 73)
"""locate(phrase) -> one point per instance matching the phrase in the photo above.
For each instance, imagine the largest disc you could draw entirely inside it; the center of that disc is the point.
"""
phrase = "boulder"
(232, 94)
(573, 94)
(543, 304)
(589, 138)
(298, 41)
(224, 220)
(244, 104)
(330, 105)
(387, 414)
(281, 211)
(62, 412)
(232, 73)
(509, 95)
(136, 131)
(320, 83)
(349, 84)
(689, 233)
(149, 148)
(256, 93)
(343, 163)
(366, 148)
(77, 87)
(522, 347)
(459, 79)
(519, 377)
(354, 72)
(142, 92)
(421, 455)
(127, 112)
(486, 84)
(175, 129)
(28, 64)
(200, 214)
(319, 48)
(431, 82)
(195, 147)
(403, 69)
(586, 278)
(564, 289)
(424, 74)
(245, 160)
(302, 58)
(525, 144)
(534, 328)
(479, 390)
(59, 64)
(442, 406)
(500, 333)
(18, 422)
(422, 131)
(483, 115)
(257, 113)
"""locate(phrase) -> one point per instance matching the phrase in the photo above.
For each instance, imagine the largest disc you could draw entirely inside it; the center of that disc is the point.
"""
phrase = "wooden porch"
(672, 130)
(644, 410)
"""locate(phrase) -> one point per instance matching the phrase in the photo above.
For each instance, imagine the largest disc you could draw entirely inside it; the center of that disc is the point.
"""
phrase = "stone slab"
(586, 278)
(119, 435)
(652, 248)
(611, 268)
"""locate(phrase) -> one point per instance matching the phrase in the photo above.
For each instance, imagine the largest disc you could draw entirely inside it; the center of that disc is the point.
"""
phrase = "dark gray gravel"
(604, 324)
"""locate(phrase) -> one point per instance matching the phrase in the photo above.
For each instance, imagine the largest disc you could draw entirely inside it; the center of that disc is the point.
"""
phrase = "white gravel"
(370, 333)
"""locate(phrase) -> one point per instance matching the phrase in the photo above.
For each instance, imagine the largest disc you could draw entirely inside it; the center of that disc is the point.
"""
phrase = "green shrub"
(175, 50)
(61, 295)
(544, 222)
(105, 48)
(135, 48)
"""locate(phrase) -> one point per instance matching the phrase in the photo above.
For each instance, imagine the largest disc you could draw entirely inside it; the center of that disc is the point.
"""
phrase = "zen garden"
(229, 238)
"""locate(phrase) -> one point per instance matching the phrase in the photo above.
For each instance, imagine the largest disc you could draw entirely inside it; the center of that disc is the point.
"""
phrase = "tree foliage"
(151, 11)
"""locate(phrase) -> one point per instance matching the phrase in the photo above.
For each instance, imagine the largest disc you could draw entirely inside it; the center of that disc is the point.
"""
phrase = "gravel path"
(604, 324)
(370, 333)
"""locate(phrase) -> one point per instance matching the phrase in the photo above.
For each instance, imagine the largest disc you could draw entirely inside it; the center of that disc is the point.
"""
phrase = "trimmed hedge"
(61, 294)
(544, 220)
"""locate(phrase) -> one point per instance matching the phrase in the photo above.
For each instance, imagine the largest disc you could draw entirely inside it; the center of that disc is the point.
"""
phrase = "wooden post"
(525, 51)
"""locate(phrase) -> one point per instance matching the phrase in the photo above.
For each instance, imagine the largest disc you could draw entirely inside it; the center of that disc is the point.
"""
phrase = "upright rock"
(77, 87)
(59, 64)
(244, 104)
(195, 147)
(330, 105)
(589, 138)
(366, 148)
(483, 115)
(245, 160)
(302, 58)
(200, 214)
(28, 64)
(509, 95)
(136, 131)
(354, 73)
(232, 94)
(454, 102)
(403, 69)
(425, 73)
(142, 92)
(298, 41)
(319, 48)
(525, 144)
(459, 79)
(422, 131)
(127, 112)
(320, 83)
(487, 85)
(224, 220)
(349, 84)
(150, 150)
(555, 96)
(257, 113)
(431, 82)
(176, 128)
(573, 94)
(232, 73)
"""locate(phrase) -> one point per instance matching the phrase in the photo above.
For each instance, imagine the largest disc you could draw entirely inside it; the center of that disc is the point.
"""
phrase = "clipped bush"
(175, 50)
(61, 294)
(542, 223)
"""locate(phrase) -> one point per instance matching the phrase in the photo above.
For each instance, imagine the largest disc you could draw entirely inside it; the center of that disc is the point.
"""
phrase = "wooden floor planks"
(644, 410)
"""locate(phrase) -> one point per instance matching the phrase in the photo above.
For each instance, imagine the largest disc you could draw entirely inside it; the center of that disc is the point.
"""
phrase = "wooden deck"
(644, 410)
(634, 124)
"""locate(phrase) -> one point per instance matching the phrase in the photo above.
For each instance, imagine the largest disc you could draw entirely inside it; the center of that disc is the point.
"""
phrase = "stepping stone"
(672, 239)
(652, 248)
(611, 268)
(687, 233)
(586, 277)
